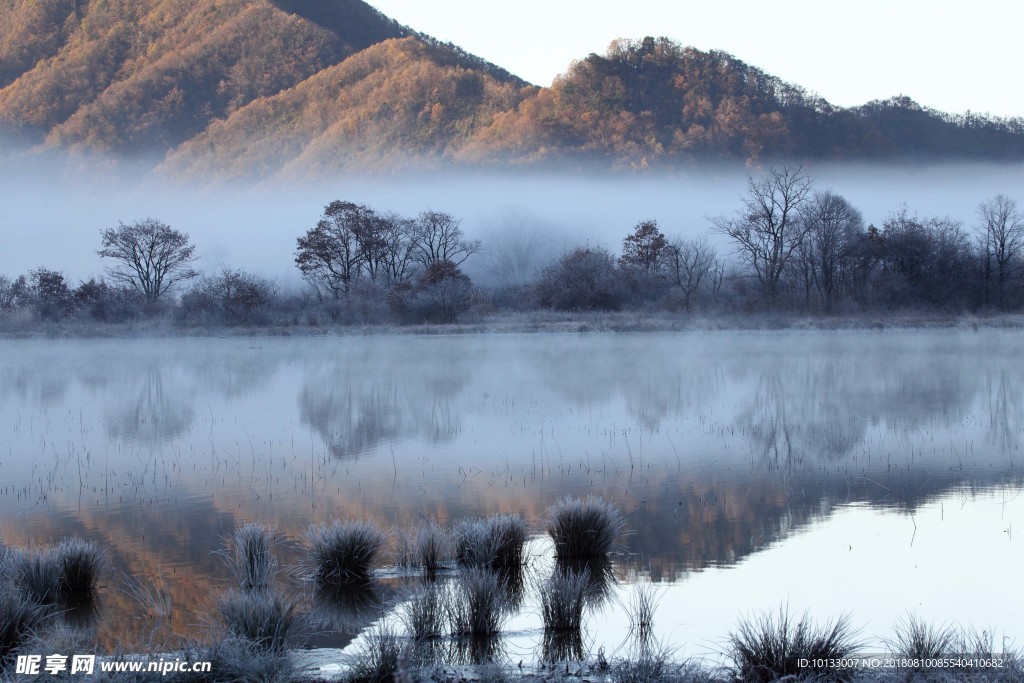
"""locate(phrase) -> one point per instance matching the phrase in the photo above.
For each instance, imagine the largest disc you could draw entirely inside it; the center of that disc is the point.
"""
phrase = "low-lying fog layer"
(51, 217)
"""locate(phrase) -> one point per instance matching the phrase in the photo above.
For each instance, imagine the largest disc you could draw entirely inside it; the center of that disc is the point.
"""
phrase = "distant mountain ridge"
(262, 88)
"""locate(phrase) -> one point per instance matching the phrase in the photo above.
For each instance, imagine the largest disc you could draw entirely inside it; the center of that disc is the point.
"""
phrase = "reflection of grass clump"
(341, 553)
(584, 527)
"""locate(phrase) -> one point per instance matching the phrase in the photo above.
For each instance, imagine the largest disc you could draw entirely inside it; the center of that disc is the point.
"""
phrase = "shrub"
(234, 297)
(584, 527)
(584, 279)
(340, 553)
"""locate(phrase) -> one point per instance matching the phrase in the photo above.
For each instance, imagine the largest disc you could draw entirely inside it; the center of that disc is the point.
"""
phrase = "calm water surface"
(870, 473)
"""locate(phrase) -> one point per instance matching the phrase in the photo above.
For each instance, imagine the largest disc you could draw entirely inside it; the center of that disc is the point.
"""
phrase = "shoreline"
(531, 323)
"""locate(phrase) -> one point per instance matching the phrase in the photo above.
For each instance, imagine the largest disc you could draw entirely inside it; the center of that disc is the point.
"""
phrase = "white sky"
(952, 55)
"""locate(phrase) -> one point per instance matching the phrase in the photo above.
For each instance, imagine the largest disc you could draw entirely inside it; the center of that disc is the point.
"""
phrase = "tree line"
(794, 248)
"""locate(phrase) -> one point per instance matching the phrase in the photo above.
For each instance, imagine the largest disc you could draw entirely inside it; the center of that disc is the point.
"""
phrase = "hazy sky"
(952, 55)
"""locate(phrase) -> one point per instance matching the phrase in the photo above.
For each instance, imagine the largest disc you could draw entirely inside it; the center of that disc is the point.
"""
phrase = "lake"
(870, 473)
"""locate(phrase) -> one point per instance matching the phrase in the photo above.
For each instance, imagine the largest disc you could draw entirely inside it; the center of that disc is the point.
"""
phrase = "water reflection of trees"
(813, 396)
(357, 407)
(156, 410)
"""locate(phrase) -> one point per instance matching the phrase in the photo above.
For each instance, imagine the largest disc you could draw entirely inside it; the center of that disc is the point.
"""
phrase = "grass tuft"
(425, 614)
(657, 665)
(20, 622)
(476, 607)
(261, 618)
(252, 561)
(35, 574)
(379, 659)
(769, 648)
(79, 564)
(495, 542)
(642, 605)
(432, 548)
(584, 527)
(343, 552)
(916, 639)
(472, 545)
(562, 599)
(507, 538)
(235, 660)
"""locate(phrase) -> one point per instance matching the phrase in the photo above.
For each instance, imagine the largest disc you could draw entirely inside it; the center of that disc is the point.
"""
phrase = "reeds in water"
(584, 527)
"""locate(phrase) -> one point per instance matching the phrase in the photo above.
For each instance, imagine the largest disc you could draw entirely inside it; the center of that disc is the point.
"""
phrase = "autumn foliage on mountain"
(235, 88)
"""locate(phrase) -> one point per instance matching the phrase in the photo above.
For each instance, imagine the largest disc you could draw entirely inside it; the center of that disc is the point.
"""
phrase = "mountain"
(142, 76)
(400, 102)
(654, 102)
(261, 88)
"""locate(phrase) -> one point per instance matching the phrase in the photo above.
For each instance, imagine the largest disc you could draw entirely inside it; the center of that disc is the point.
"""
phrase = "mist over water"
(52, 216)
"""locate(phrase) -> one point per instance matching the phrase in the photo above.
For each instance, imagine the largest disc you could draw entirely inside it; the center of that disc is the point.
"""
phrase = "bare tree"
(151, 256)
(516, 246)
(398, 247)
(1001, 241)
(438, 237)
(687, 264)
(833, 225)
(768, 229)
